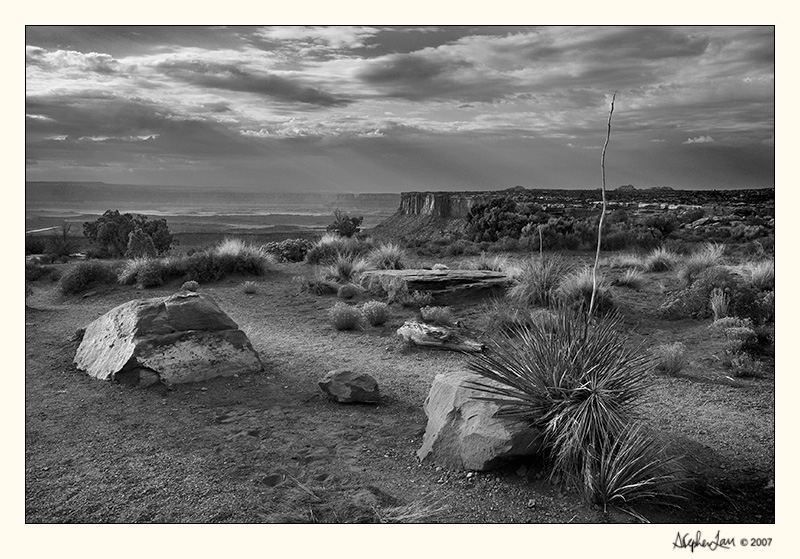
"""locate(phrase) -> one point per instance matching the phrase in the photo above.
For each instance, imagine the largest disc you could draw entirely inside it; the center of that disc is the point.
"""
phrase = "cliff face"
(436, 204)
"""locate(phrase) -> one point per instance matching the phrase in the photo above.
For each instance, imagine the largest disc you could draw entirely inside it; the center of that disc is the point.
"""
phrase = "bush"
(537, 279)
(232, 256)
(111, 232)
(60, 244)
(316, 286)
(744, 365)
(661, 260)
(387, 257)
(190, 286)
(348, 291)
(289, 250)
(581, 385)
(626, 261)
(84, 275)
(34, 245)
(575, 290)
(250, 287)
(345, 225)
(670, 359)
(34, 271)
(415, 299)
(345, 317)
(140, 245)
(375, 312)
(151, 274)
(442, 316)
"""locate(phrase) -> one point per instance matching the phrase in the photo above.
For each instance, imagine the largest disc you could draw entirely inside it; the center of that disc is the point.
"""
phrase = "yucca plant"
(577, 380)
(633, 467)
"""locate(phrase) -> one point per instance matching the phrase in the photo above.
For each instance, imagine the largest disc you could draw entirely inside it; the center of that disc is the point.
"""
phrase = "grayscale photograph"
(401, 275)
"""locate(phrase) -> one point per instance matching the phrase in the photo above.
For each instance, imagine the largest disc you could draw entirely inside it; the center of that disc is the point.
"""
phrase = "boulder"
(464, 433)
(440, 337)
(347, 387)
(182, 338)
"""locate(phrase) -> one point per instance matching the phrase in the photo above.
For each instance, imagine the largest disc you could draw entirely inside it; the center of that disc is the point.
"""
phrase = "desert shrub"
(315, 286)
(84, 275)
(34, 271)
(496, 263)
(34, 245)
(348, 291)
(127, 276)
(660, 260)
(670, 359)
(630, 278)
(60, 244)
(345, 225)
(537, 279)
(111, 232)
(438, 266)
(442, 316)
(581, 384)
(761, 274)
(387, 257)
(721, 324)
(575, 290)
(231, 256)
(415, 299)
(664, 223)
(709, 256)
(289, 250)
(346, 268)
(375, 312)
(140, 245)
(190, 286)
(345, 317)
(250, 287)
(718, 302)
(151, 274)
(745, 365)
(740, 339)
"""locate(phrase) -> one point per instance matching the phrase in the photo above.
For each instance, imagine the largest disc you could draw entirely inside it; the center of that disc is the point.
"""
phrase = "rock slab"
(464, 433)
(443, 284)
(347, 387)
(182, 338)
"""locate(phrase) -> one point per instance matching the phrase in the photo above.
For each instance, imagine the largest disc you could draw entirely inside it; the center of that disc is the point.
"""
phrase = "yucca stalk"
(603, 213)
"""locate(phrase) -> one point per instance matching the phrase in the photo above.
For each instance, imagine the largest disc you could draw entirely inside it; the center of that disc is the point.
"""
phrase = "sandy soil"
(271, 448)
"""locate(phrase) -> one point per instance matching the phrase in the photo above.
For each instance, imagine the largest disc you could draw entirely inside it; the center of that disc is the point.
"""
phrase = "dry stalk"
(603, 214)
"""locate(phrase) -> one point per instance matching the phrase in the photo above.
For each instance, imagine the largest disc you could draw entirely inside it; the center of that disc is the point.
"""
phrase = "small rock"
(531, 504)
(346, 387)
(522, 470)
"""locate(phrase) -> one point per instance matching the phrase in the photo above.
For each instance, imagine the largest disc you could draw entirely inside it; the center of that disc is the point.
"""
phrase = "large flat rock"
(444, 285)
(182, 338)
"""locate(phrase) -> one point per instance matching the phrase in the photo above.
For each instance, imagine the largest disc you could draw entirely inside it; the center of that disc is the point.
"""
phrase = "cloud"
(233, 78)
(336, 37)
(700, 140)
(68, 59)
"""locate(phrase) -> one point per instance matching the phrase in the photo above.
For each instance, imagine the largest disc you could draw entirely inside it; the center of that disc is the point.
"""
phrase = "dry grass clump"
(328, 248)
(707, 257)
(761, 274)
(626, 260)
(315, 286)
(441, 316)
(536, 280)
(376, 313)
(494, 263)
(661, 260)
(719, 300)
(630, 278)
(346, 268)
(575, 290)
(345, 317)
(250, 287)
(387, 257)
(670, 359)
(581, 383)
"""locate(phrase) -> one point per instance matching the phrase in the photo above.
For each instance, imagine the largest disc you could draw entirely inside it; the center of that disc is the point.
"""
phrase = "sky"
(390, 109)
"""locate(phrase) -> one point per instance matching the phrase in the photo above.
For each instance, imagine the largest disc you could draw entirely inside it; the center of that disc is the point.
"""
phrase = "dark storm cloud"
(232, 78)
(420, 76)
